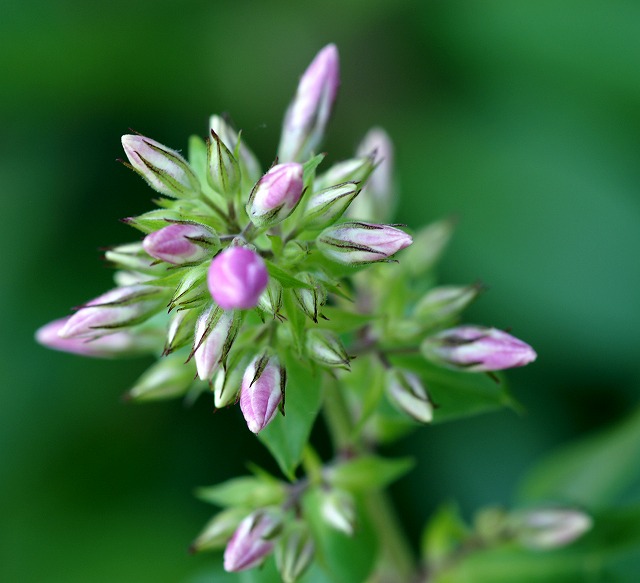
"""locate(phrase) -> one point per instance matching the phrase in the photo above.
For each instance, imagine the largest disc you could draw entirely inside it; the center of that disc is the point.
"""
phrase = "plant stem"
(396, 562)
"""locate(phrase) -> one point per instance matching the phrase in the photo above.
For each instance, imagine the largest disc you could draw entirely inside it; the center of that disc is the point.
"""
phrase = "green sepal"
(285, 279)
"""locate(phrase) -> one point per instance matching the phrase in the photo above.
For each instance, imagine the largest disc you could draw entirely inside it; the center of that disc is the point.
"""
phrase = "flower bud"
(271, 298)
(191, 291)
(442, 303)
(310, 300)
(549, 528)
(327, 206)
(377, 200)
(119, 307)
(237, 277)
(275, 195)
(406, 392)
(164, 169)
(308, 114)
(339, 511)
(226, 385)
(251, 542)
(216, 330)
(180, 331)
(166, 379)
(132, 256)
(262, 391)
(294, 552)
(224, 170)
(353, 170)
(477, 349)
(249, 165)
(115, 345)
(180, 243)
(153, 220)
(325, 348)
(218, 530)
(357, 243)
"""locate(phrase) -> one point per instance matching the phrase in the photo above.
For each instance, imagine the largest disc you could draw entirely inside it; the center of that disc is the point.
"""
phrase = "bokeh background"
(520, 118)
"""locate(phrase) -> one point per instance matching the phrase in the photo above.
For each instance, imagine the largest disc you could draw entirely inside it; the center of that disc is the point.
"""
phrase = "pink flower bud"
(236, 278)
(216, 330)
(164, 169)
(308, 114)
(477, 349)
(276, 195)
(122, 306)
(356, 243)
(377, 199)
(179, 243)
(262, 391)
(251, 542)
(116, 345)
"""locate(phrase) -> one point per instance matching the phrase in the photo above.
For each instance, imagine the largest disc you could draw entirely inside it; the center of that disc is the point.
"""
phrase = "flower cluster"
(241, 272)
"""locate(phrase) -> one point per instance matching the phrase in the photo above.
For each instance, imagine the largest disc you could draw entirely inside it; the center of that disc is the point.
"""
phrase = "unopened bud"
(442, 303)
(116, 345)
(166, 379)
(224, 170)
(550, 528)
(326, 348)
(252, 541)
(275, 195)
(120, 307)
(164, 169)
(339, 511)
(132, 256)
(308, 114)
(326, 206)
(218, 530)
(477, 349)
(271, 298)
(226, 384)
(311, 300)
(180, 243)
(352, 170)
(153, 220)
(216, 330)
(294, 552)
(262, 391)
(406, 392)
(191, 291)
(357, 243)
(249, 165)
(180, 331)
(377, 200)
(236, 278)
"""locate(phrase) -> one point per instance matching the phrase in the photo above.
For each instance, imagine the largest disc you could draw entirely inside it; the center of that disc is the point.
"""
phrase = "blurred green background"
(520, 118)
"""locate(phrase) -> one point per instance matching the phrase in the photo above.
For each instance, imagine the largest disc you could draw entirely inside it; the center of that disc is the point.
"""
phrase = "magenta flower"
(262, 391)
(179, 243)
(477, 349)
(251, 542)
(276, 195)
(356, 243)
(237, 276)
(310, 110)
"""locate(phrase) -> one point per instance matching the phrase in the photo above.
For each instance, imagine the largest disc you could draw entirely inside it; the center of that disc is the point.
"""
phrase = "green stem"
(396, 561)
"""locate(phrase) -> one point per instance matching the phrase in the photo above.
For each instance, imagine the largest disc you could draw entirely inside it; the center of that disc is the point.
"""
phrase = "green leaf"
(344, 559)
(593, 471)
(198, 157)
(368, 472)
(296, 321)
(287, 281)
(246, 492)
(341, 321)
(457, 394)
(309, 170)
(286, 436)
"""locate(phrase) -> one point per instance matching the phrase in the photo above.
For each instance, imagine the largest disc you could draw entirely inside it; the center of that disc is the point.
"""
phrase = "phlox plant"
(290, 292)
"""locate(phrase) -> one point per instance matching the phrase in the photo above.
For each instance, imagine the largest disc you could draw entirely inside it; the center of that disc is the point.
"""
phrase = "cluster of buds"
(238, 269)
